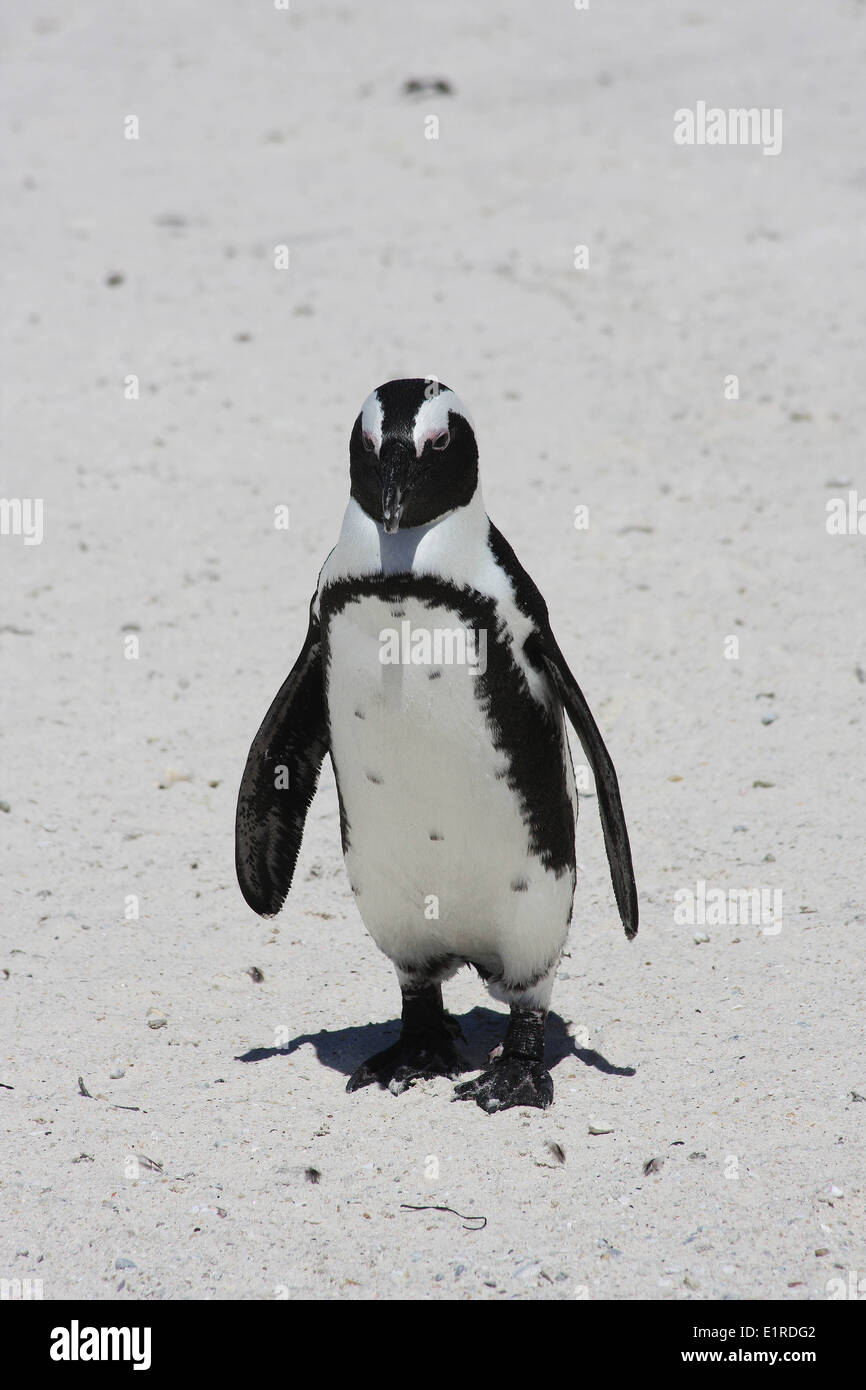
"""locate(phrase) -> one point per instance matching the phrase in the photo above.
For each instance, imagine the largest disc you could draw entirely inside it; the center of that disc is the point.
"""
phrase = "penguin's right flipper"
(279, 781)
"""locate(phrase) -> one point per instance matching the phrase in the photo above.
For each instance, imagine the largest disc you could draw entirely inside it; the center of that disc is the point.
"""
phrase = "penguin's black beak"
(395, 458)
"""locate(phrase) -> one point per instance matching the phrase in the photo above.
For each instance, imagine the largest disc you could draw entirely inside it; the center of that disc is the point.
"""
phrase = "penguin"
(431, 677)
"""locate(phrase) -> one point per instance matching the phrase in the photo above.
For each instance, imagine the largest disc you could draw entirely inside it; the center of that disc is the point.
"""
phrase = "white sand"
(602, 387)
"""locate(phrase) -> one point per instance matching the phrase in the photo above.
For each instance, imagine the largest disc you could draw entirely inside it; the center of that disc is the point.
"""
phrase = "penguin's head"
(412, 454)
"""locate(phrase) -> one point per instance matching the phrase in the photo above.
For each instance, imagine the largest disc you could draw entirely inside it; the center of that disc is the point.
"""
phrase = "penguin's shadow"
(344, 1049)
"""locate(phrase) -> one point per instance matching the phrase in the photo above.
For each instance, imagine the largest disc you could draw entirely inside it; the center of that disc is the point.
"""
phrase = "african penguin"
(431, 676)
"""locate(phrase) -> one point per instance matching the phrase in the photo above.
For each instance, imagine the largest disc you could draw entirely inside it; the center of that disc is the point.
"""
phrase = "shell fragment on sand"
(599, 1126)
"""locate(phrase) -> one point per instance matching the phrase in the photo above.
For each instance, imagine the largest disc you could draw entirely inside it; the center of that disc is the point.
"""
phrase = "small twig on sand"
(406, 1206)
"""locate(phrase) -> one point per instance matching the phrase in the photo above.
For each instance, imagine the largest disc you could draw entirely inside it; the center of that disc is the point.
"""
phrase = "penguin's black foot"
(508, 1082)
(424, 1048)
(414, 1057)
(518, 1076)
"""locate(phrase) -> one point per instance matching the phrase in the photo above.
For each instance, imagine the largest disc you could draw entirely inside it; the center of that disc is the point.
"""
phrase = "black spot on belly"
(372, 777)
(501, 774)
(359, 714)
(434, 835)
(434, 675)
(398, 612)
(519, 885)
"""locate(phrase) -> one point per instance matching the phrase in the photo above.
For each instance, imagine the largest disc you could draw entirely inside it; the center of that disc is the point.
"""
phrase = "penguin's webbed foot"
(508, 1082)
(518, 1075)
(413, 1057)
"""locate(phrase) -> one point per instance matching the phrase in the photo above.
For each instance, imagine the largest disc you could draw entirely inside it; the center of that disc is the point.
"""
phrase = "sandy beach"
(222, 227)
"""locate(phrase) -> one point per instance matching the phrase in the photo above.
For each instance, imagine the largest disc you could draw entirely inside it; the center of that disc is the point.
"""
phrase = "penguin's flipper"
(609, 801)
(279, 781)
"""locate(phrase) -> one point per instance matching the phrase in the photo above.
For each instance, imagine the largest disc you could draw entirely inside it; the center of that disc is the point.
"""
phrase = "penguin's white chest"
(438, 845)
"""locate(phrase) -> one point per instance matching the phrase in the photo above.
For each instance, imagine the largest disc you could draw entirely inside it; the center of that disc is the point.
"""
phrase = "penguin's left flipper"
(544, 653)
(279, 781)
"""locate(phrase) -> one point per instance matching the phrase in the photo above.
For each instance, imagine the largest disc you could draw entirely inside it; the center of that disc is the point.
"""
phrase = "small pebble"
(117, 1071)
(173, 775)
(600, 1127)
(156, 1018)
(122, 1263)
(700, 938)
(4, 806)
(652, 1165)
(829, 1193)
(769, 718)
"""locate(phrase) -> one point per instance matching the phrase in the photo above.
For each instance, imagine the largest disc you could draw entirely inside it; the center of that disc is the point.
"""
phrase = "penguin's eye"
(368, 442)
(442, 440)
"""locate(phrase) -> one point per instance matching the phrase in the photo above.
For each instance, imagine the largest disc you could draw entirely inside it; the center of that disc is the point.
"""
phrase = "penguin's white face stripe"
(371, 420)
(432, 418)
